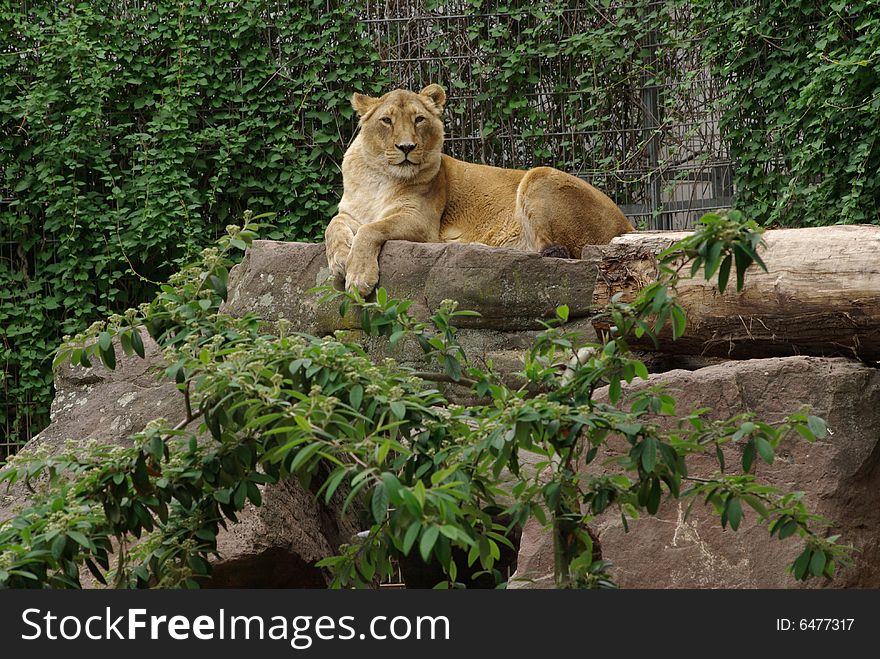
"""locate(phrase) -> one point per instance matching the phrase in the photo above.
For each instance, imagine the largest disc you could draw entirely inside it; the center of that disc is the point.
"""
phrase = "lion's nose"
(406, 148)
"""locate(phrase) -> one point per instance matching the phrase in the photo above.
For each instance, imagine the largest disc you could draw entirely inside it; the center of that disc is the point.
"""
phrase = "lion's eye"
(419, 119)
(386, 120)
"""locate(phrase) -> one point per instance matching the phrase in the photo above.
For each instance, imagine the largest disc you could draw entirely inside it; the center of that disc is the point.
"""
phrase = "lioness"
(397, 185)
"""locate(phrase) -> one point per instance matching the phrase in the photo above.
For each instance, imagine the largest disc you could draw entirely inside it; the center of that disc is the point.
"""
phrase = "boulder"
(275, 545)
(839, 475)
(512, 290)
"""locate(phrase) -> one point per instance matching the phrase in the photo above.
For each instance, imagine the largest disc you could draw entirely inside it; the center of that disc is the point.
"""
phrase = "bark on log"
(820, 295)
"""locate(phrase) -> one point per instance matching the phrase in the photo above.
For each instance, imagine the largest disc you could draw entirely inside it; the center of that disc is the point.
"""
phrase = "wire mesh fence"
(640, 127)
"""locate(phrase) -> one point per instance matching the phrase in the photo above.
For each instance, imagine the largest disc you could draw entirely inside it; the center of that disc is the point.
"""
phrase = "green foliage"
(800, 106)
(130, 135)
(431, 477)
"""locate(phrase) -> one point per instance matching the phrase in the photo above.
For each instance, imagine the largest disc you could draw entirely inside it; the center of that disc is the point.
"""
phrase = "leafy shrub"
(428, 473)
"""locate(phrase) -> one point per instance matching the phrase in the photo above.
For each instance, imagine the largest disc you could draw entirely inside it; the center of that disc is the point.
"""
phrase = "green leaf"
(453, 368)
(817, 426)
(817, 563)
(765, 449)
(105, 341)
(757, 505)
(719, 455)
(355, 396)
(395, 337)
(426, 544)
(652, 505)
(411, 501)
(742, 261)
(713, 258)
(734, 511)
(724, 273)
(614, 390)
(219, 286)
(649, 454)
(304, 455)
(84, 359)
(93, 569)
(239, 494)
(333, 483)
(679, 321)
(551, 492)
(125, 342)
(392, 485)
(398, 409)
(254, 494)
(379, 503)
(138, 343)
(801, 564)
(108, 357)
(753, 255)
(58, 545)
(205, 533)
(787, 529)
(80, 538)
(748, 456)
(411, 534)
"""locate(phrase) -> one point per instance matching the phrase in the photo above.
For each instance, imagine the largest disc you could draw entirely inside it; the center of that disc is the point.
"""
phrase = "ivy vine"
(131, 134)
(801, 106)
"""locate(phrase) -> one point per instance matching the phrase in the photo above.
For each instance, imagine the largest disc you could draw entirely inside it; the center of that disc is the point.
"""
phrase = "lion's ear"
(436, 94)
(362, 103)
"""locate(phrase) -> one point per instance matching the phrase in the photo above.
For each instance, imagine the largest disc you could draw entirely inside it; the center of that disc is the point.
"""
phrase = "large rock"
(839, 475)
(275, 545)
(512, 290)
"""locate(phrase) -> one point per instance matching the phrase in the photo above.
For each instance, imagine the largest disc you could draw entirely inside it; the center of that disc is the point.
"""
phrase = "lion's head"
(403, 131)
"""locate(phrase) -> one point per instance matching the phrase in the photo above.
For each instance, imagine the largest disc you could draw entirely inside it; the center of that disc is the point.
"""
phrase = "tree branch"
(443, 377)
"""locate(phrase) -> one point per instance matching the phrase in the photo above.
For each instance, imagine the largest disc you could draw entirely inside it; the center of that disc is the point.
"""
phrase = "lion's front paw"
(362, 282)
(337, 266)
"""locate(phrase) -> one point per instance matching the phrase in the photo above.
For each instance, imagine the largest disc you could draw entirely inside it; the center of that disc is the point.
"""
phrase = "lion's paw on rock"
(337, 267)
(364, 283)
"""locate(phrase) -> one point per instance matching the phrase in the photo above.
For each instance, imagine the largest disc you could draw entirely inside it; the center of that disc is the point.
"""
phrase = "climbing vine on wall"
(801, 101)
(131, 133)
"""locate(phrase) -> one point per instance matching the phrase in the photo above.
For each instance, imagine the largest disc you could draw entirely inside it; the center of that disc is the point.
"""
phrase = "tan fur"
(417, 193)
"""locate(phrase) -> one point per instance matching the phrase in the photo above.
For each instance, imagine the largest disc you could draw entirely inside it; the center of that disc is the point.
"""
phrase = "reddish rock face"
(839, 474)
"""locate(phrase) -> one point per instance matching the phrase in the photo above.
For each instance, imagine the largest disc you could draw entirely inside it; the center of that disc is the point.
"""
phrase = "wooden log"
(820, 295)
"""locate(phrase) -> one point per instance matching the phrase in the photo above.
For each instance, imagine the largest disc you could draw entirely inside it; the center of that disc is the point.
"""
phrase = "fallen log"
(820, 295)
